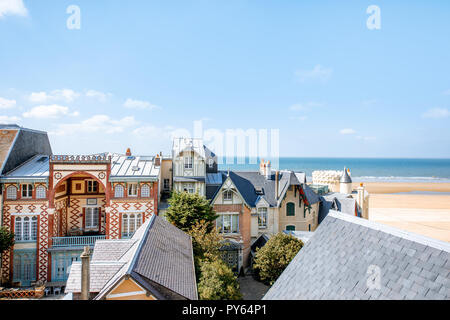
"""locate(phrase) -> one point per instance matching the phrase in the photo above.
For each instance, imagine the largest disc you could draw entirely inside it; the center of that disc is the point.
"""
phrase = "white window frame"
(211, 163)
(133, 187)
(227, 192)
(188, 162)
(131, 221)
(262, 217)
(10, 194)
(41, 192)
(25, 231)
(27, 191)
(145, 191)
(220, 221)
(91, 218)
(189, 187)
(119, 191)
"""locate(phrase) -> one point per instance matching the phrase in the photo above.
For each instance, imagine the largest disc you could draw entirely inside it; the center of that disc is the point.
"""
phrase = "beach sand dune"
(426, 214)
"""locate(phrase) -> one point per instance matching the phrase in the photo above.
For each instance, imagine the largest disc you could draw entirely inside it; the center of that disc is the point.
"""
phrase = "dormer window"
(228, 195)
(27, 191)
(188, 161)
(211, 163)
(262, 218)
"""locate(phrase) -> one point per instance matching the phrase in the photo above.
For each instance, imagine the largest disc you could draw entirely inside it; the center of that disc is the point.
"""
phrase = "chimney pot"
(128, 154)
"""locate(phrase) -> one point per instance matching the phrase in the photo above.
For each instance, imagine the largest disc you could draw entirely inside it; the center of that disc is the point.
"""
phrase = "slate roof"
(337, 201)
(346, 252)
(305, 236)
(158, 253)
(345, 178)
(247, 182)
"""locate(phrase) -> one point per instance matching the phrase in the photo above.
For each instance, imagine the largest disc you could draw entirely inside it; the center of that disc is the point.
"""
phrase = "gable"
(128, 289)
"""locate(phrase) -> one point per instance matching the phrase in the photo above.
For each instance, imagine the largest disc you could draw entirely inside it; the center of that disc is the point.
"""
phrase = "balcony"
(79, 241)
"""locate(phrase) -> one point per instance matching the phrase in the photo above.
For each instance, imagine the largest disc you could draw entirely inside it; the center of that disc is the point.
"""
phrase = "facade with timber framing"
(56, 205)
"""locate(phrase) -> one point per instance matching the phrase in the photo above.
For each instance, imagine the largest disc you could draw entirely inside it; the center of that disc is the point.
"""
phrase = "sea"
(362, 169)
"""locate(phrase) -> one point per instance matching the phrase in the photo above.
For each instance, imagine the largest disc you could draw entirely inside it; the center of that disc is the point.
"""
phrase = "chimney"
(128, 154)
(262, 167)
(268, 172)
(85, 273)
(157, 161)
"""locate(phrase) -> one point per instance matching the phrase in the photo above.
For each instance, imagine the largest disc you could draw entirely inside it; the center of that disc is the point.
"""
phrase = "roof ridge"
(407, 235)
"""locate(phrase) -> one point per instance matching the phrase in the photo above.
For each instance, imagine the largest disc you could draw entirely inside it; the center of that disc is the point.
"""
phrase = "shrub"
(187, 209)
(6, 239)
(217, 282)
(271, 260)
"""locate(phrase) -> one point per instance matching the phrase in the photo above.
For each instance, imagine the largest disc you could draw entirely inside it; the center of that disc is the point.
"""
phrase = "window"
(11, 193)
(211, 163)
(41, 192)
(189, 187)
(132, 190)
(91, 218)
(309, 227)
(290, 228)
(118, 191)
(145, 191)
(262, 218)
(92, 186)
(228, 195)
(130, 223)
(27, 190)
(25, 228)
(166, 184)
(290, 209)
(228, 223)
(188, 162)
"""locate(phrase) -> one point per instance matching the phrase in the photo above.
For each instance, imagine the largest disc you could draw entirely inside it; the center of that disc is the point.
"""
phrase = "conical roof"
(345, 178)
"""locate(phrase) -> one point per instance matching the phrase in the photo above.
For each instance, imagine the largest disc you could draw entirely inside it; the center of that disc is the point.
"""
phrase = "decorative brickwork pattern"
(114, 222)
(43, 243)
(6, 256)
(75, 211)
(150, 210)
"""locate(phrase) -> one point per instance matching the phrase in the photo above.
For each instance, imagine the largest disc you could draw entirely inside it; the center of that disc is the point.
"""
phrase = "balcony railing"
(80, 241)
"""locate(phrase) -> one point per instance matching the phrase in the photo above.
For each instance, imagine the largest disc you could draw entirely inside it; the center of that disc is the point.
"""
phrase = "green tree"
(6, 239)
(271, 260)
(187, 209)
(217, 282)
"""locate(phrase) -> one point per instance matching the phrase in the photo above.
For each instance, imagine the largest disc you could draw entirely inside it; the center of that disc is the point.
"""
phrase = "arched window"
(41, 192)
(25, 228)
(118, 191)
(145, 191)
(290, 228)
(11, 193)
(290, 209)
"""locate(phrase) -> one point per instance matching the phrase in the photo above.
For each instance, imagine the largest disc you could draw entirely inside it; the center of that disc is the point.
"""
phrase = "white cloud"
(347, 131)
(9, 120)
(49, 112)
(437, 113)
(138, 104)
(12, 7)
(66, 95)
(305, 106)
(7, 104)
(100, 96)
(317, 73)
(96, 124)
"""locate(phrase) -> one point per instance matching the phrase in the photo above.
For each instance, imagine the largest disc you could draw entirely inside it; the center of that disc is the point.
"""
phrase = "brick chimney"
(85, 273)
(128, 153)
(157, 161)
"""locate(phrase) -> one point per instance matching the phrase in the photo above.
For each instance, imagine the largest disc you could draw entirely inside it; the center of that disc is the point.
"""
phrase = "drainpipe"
(85, 273)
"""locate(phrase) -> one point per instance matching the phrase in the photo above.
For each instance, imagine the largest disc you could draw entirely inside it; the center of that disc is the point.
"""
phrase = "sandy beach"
(427, 214)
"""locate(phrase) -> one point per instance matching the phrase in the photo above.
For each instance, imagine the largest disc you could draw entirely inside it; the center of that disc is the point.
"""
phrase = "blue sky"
(136, 71)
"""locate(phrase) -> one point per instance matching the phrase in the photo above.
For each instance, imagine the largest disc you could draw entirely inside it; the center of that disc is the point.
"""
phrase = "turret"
(345, 183)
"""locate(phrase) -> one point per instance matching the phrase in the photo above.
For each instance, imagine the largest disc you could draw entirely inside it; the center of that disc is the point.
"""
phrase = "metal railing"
(79, 241)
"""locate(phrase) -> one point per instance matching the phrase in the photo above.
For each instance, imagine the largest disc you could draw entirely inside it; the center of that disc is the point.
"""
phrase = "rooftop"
(354, 258)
